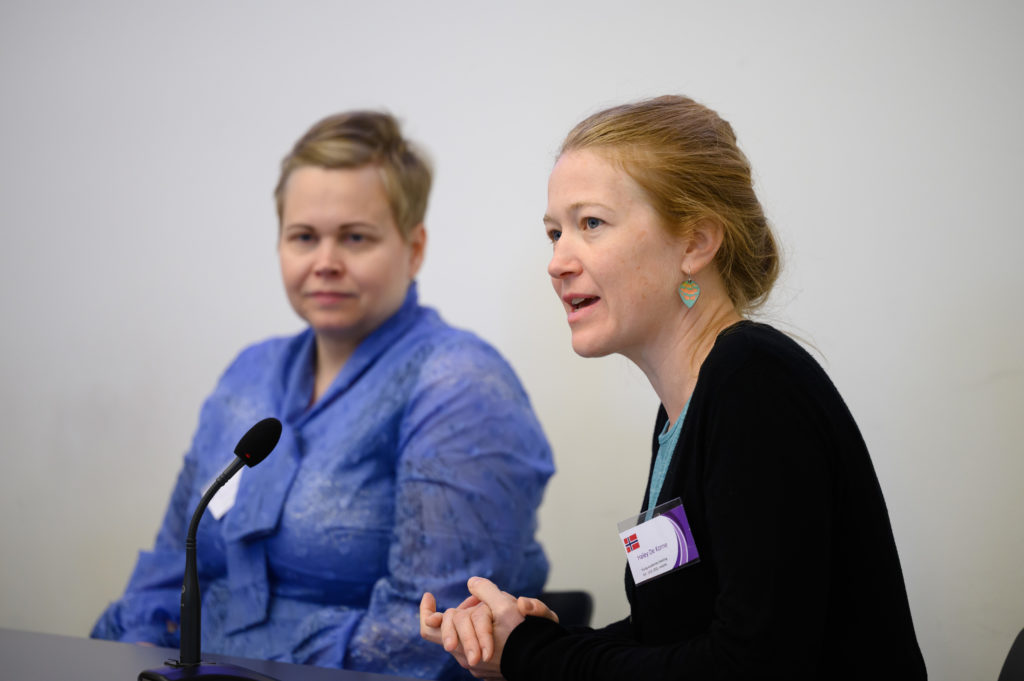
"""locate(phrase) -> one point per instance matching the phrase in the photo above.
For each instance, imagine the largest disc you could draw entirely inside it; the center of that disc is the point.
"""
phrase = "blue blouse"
(422, 465)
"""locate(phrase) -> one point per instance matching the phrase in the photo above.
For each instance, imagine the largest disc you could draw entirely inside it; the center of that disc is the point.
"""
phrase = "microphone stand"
(262, 438)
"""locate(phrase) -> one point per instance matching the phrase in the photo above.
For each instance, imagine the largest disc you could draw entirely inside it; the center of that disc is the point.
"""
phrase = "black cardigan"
(799, 576)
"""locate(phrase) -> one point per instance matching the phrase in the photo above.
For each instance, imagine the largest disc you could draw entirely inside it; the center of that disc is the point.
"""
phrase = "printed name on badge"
(660, 545)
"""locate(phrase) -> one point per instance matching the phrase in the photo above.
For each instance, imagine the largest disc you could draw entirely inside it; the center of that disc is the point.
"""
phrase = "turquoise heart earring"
(689, 291)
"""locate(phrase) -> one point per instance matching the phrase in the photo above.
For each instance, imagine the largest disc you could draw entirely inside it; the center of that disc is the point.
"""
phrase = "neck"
(331, 356)
(672, 362)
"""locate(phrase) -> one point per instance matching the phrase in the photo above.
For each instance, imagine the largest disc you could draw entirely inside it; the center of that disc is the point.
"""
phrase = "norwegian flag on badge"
(632, 543)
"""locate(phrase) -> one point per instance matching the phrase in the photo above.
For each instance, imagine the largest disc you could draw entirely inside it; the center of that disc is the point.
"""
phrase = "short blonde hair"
(354, 139)
(685, 158)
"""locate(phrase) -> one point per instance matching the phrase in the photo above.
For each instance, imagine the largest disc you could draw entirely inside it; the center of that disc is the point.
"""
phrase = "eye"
(592, 223)
(554, 235)
(359, 238)
(300, 237)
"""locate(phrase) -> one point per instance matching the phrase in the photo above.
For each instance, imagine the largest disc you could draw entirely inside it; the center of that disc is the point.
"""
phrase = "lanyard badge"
(660, 545)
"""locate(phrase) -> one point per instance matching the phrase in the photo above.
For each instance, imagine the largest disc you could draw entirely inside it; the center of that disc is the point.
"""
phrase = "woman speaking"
(762, 548)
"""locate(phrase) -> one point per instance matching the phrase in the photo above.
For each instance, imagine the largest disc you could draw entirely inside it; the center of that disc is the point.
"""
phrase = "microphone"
(254, 446)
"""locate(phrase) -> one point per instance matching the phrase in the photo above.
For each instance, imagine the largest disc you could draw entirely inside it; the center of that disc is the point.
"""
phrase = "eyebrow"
(339, 227)
(576, 207)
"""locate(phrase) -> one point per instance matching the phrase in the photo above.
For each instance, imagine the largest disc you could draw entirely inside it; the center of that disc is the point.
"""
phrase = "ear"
(417, 247)
(704, 241)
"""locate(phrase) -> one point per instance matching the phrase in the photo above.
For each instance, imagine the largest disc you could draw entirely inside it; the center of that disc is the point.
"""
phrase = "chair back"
(573, 608)
(1013, 668)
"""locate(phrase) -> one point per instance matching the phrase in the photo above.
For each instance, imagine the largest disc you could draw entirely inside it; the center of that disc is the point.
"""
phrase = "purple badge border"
(677, 516)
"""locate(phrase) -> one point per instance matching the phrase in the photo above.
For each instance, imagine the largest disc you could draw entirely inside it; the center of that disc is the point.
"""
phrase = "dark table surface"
(27, 656)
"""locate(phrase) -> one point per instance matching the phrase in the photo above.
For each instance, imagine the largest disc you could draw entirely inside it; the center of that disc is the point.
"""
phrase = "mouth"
(579, 302)
(328, 295)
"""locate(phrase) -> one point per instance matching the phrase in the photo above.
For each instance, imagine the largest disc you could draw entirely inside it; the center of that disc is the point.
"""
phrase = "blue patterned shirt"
(423, 464)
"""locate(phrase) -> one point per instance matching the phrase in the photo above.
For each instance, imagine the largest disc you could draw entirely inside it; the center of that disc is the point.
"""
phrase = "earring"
(689, 291)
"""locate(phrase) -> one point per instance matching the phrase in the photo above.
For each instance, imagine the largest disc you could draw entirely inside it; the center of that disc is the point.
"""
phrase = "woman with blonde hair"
(396, 425)
(763, 547)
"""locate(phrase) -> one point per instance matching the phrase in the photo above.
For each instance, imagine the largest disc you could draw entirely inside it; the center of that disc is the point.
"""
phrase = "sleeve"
(153, 595)
(471, 469)
(767, 504)
(152, 598)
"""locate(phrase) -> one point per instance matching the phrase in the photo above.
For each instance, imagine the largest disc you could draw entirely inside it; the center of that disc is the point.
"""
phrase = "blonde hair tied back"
(685, 157)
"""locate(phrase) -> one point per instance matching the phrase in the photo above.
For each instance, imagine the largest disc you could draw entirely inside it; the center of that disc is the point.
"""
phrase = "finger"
(483, 625)
(461, 658)
(449, 638)
(469, 602)
(467, 635)
(430, 619)
(428, 605)
(536, 608)
(487, 592)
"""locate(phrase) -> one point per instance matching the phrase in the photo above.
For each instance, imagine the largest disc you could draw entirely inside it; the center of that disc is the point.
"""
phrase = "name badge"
(659, 545)
(224, 499)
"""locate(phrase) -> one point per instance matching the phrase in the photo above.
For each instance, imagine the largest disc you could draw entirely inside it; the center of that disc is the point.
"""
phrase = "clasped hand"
(476, 631)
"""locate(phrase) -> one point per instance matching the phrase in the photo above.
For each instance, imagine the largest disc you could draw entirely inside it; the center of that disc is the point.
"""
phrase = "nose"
(564, 262)
(328, 261)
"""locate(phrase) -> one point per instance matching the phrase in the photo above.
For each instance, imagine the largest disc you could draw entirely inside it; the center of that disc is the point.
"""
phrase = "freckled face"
(613, 266)
(345, 266)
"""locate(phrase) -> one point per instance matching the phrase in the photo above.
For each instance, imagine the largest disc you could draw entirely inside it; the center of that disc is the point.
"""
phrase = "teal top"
(667, 440)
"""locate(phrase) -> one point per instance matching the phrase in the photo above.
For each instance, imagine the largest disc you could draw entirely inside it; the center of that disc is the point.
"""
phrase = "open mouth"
(578, 303)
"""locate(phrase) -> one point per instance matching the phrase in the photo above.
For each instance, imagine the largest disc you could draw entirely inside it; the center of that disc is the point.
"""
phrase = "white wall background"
(139, 144)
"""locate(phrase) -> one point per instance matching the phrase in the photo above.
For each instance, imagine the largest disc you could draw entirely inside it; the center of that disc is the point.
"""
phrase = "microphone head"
(259, 441)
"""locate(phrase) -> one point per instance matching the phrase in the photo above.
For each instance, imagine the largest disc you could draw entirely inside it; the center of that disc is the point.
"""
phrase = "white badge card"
(660, 545)
(224, 499)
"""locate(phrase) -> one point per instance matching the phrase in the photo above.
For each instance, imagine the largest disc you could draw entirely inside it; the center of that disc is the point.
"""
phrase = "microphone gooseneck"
(190, 601)
(254, 446)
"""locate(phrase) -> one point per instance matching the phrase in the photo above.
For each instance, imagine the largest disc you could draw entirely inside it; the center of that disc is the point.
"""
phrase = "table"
(28, 656)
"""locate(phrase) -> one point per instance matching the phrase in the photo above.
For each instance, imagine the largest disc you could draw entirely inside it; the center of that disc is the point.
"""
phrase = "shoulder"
(465, 391)
(753, 366)
(764, 410)
(749, 349)
(749, 341)
(263, 359)
(455, 356)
